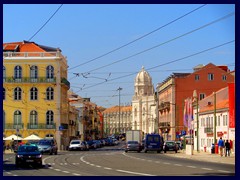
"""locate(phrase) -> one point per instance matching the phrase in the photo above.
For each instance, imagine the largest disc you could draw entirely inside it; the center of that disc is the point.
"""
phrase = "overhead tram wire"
(180, 59)
(45, 23)
(161, 44)
(141, 37)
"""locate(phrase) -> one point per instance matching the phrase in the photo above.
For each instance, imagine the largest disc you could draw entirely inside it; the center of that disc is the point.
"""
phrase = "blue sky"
(84, 32)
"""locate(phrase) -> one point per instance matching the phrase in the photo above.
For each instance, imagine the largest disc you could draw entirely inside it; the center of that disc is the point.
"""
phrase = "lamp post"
(195, 96)
(119, 89)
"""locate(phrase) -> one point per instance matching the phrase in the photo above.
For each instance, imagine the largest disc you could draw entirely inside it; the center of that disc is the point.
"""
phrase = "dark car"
(48, 146)
(133, 146)
(170, 146)
(28, 154)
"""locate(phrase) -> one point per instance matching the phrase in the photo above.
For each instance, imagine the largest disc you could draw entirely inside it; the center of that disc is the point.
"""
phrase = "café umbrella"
(32, 137)
(14, 137)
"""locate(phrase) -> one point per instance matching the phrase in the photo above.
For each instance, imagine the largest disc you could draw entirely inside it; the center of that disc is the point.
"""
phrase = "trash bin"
(216, 148)
(213, 149)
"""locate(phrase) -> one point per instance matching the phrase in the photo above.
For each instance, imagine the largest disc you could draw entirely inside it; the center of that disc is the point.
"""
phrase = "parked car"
(115, 142)
(77, 145)
(48, 145)
(28, 154)
(91, 144)
(180, 145)
(133, 146)
(98, 143)
(170, 146)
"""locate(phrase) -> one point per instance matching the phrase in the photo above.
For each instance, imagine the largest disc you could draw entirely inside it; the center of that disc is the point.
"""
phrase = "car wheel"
(158, 151)
(165, 151)
(50, 152)
(138, 151)
(126, 151)
(175, 151)
(145, 151)
(17, 163)
(56, 153)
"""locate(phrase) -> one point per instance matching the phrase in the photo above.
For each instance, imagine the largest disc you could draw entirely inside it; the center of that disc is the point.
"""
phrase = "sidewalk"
(206, 156)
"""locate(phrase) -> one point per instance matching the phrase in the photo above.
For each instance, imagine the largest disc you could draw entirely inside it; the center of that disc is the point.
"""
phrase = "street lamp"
(119, 89)
(195, 96)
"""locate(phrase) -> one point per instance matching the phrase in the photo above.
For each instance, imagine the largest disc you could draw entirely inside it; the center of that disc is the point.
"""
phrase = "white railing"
(32, 54)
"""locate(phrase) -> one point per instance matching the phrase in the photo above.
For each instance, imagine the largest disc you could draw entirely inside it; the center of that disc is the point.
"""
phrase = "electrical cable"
(141, 37)
(45, 23)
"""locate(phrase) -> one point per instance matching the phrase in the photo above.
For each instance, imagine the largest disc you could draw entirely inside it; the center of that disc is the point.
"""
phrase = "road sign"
(61, 128)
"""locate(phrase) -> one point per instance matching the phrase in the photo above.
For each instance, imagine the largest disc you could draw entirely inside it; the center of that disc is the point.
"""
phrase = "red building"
(179, 86)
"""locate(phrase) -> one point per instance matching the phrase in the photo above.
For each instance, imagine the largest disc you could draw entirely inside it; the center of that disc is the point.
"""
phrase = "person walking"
(221, 145)
(227, 148)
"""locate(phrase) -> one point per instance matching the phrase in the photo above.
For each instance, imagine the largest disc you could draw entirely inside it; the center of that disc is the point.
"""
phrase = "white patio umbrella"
(13, 136)
(32, 137)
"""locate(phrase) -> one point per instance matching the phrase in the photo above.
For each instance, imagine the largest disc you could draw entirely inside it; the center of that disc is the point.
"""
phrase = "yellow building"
(35, 89)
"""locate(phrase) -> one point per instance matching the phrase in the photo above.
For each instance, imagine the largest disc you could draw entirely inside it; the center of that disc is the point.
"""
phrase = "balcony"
(208, 130)
(65, 82)
(32, 54)
(41, 126)
(14, 126)
(164, 106)
(29, 80)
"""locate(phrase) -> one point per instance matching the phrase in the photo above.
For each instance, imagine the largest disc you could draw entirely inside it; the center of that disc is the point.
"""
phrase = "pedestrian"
(227, 148)
(12, 145)
(220, 146)
(231, 145)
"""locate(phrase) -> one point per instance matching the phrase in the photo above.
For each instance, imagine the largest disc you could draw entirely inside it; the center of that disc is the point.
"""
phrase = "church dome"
(143, 78)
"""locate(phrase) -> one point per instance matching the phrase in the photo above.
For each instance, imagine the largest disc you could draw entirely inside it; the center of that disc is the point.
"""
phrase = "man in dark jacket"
(227, 148)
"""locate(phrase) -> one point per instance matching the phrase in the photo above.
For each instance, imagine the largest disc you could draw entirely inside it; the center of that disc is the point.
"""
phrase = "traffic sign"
(183, 132)
(61, 128)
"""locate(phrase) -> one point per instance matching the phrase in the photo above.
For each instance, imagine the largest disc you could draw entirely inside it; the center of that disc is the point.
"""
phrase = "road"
(113, 161)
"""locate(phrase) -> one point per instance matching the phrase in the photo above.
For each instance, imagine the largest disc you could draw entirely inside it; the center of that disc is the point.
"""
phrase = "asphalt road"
(110, 161)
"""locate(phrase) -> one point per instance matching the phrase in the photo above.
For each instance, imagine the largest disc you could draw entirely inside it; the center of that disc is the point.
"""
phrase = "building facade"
(35, 89)
(215, 119)
(117, 120)
(144, 103)
(173, 91)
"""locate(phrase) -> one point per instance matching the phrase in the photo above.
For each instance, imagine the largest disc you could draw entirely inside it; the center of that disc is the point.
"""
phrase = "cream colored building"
(143, 104)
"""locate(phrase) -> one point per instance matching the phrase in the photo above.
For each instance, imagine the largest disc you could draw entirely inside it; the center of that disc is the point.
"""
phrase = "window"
(202, 96)
(33, 73)
(50, 72)
(50, 93)
(33, 93)
(18, 73)
(218, 122)
(17, 120)
(210, 76)
(224, 77)
(197, 77)
(4, 95)
(17, 93)
(33, 119)
(49, 118)
(4, 73)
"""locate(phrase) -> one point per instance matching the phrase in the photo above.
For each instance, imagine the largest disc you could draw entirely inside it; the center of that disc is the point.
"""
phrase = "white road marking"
(192, 166)
(130, 172)
(177, 165)
(224, 171)
(65, 171)
(107, 168)
(57, 169)
(166, 163)
(207, 169)
(75, 174)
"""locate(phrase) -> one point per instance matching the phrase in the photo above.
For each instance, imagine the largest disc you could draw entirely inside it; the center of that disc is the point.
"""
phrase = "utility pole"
(215, 118)
(119, 89)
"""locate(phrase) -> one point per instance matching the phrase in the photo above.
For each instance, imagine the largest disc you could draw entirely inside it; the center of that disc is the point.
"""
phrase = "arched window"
(17, 120)
(18, 73)
(33, 120)
(50, 72)
(17, 93)
(4, 94)
(34, 73)
(4, 73)
(49, 119)
(33, 93)
(50, 93)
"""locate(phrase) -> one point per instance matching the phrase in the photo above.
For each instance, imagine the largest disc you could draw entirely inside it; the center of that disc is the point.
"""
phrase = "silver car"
(77, 145)
(133, 146)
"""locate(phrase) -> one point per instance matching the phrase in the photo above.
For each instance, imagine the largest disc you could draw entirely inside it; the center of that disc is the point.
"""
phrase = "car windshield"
(44, 143)
(75, 142)
(132, 142)
(170, 143)
(28, 149)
